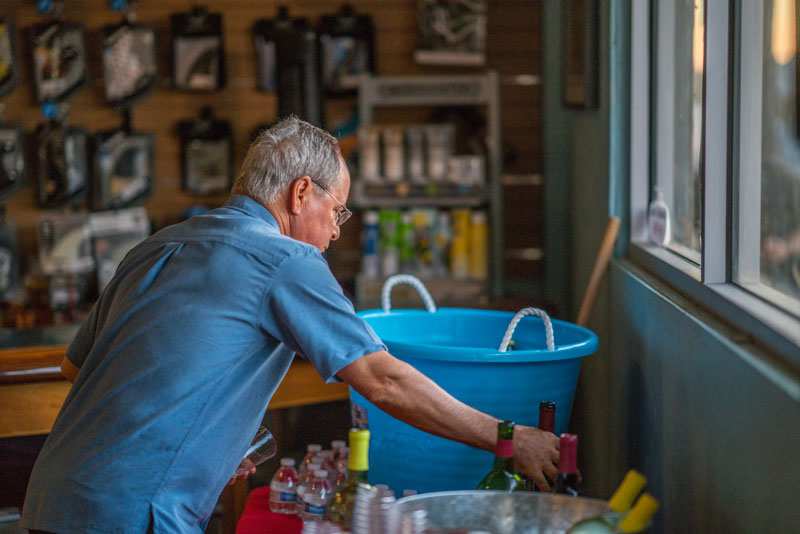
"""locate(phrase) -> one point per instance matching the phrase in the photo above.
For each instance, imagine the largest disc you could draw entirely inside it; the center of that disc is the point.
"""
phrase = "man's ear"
(299, 193)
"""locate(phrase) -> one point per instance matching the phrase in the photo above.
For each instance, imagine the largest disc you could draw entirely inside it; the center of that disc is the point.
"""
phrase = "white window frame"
(711, 283)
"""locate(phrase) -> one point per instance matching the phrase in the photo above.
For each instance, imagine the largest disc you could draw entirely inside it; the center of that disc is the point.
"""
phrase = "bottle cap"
(371, 217)
(640, 515)
(627, 491)
(313, 466)
(287, 462)
(321, 473)
(314, 447)
(568, 446)
(337, 444)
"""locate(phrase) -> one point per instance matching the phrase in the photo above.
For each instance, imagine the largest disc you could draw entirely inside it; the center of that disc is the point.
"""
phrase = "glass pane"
(680, 63)
(780, 157)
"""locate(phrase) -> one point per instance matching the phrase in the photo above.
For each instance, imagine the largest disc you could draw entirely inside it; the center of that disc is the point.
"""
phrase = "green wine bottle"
(502, 476)
(620, 505)
(636, 520)
(340, 509)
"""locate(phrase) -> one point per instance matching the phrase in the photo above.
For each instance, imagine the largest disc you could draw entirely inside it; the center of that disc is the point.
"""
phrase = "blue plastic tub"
(458, 349)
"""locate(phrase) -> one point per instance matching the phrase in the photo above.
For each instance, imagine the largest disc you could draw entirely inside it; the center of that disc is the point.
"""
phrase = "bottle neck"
(506, 464)
(568, 457)
(547, 416)
(357, 476)
(504, 454)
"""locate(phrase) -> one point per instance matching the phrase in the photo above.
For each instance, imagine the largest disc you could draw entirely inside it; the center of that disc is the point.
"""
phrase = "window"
(677, 176)
(715, 135)
(768, 234)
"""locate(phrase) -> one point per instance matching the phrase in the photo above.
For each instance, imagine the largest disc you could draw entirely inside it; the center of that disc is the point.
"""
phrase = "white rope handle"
(386, 292)
(524, 312)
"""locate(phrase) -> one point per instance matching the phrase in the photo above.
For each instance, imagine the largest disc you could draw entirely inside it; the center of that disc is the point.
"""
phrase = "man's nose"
(336, 233)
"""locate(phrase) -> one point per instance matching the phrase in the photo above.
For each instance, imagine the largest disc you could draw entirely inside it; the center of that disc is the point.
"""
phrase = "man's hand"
(243, 472)
(536, 455)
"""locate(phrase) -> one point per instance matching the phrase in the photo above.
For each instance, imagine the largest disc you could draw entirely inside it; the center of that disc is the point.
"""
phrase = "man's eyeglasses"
(342, 213)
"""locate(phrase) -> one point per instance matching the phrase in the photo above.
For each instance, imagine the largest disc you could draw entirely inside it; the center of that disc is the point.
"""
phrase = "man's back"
(176, 368)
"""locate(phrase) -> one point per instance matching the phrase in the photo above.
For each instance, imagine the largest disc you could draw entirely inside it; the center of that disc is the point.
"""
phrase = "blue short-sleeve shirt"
(178, 360)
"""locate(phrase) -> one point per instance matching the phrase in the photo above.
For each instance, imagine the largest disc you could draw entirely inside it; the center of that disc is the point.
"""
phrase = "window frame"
(711, 283)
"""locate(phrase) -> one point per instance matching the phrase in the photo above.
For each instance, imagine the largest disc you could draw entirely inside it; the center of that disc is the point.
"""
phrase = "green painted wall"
(714, 426)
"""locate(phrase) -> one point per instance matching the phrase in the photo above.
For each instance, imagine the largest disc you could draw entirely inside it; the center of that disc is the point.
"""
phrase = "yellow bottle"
(478, 246)
(340, 509)
(459, 247)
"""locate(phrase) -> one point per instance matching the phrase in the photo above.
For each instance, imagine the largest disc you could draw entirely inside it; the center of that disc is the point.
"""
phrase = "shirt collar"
(252, 207)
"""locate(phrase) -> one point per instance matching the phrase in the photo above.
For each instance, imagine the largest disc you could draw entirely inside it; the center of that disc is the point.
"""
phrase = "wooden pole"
(600, 266)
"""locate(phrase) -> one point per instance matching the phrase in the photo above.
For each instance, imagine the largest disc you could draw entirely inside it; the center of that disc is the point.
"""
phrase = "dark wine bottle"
(547, 416)
(547, 422)
(567, 480)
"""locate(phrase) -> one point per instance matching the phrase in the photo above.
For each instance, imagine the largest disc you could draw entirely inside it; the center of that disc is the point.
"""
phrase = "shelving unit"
(458, 90)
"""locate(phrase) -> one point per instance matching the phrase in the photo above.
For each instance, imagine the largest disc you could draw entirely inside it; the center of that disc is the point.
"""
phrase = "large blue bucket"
(458, 349)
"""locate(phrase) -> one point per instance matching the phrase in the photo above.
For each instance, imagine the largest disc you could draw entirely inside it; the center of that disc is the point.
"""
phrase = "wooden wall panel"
(514, 46)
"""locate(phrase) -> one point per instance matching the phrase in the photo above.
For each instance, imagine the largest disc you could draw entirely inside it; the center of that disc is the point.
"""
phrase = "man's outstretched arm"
(405, 393)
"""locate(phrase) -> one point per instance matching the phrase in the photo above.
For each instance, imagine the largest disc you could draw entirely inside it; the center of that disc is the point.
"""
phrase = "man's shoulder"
(230, 230)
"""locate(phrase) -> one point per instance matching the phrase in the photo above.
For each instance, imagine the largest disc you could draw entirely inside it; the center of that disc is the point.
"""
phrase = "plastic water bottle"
(311, 451)
(283, 489)
(336, 446)
(304, 483)
(316, 497)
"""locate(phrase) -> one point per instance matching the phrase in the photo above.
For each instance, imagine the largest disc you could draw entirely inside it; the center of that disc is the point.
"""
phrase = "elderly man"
(181, 354)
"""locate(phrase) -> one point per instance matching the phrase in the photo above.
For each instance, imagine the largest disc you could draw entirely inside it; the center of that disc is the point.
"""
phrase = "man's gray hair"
(290, 149)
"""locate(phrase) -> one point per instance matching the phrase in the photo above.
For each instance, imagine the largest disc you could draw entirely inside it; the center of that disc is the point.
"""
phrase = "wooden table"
(32, 391)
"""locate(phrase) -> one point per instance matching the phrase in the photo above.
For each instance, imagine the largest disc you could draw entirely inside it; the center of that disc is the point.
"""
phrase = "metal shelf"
(473, 90)
(405, 195)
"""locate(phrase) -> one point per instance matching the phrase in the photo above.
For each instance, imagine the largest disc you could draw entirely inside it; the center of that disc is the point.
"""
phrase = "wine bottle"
(636, 520)
(547, 422)
(567, 480)
(340, 509)
(502, 476)
(547, 416)
(620, 504)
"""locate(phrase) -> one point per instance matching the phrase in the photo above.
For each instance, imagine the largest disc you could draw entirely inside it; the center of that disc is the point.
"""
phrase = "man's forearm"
(407, 394)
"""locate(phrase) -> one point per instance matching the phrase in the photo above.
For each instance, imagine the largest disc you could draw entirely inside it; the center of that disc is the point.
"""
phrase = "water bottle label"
(285, 496)
(315, 510)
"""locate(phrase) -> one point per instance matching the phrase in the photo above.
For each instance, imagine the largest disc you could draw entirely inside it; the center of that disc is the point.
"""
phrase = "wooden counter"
(32, 390)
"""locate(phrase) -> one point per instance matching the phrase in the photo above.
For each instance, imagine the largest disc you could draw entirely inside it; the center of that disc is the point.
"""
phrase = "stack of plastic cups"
(362, 510)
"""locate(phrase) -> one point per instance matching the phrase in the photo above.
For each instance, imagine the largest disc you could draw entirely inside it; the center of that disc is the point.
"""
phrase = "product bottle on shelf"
(502, 476)
(283, 488)
(636, 520)
(620, 504)
(370, 238)
(442, 236)
(316, 497)
(478, 246)
(389, 249)
(340, 510)
(567, 479)
(459, 247)
(405, 243)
